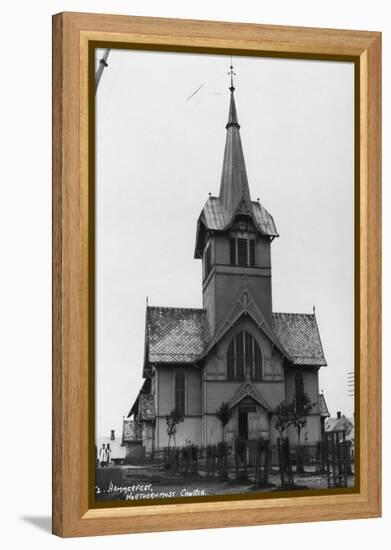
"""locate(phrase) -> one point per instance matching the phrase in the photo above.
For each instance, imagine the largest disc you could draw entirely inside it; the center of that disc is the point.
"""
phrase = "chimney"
(338, 416)
(112, 436)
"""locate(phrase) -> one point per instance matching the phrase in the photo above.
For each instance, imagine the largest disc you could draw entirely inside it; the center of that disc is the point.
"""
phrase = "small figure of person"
(103, 456)
(108, 451)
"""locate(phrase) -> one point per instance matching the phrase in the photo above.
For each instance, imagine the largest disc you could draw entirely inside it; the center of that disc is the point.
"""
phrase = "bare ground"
(154, 481)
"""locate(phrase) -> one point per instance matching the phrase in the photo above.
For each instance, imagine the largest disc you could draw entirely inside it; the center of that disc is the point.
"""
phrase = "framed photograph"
(216, 274)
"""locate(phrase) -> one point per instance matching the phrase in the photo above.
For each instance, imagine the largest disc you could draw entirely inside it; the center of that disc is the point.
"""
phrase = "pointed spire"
(234, 185)
(233, 116)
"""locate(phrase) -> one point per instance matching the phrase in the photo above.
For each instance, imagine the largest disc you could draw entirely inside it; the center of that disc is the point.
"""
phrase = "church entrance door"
(247, 422)
(243, 424)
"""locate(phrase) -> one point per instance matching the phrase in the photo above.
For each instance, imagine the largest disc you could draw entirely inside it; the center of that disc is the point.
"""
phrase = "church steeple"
(234, 236)
(234, 188)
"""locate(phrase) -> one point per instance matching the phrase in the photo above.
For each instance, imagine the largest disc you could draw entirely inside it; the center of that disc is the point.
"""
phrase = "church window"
(257, 362)
(239, 348)
(242, 252)
(251, 243)
(244, 355)
(299, 389)
(231, 360)
(180, 392)
(249, 347)
(232, 251)
(207, 260)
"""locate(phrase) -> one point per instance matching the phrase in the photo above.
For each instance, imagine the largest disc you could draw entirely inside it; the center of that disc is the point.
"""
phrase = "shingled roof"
(147, 407)
(176, 335)
(323, 409)
(181, 335)
(129, 431)
(216, 218)
(299, 335)
(342, 423)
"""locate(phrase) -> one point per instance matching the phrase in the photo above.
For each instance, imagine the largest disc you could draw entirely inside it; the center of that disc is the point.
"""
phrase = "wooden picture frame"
(73, 33)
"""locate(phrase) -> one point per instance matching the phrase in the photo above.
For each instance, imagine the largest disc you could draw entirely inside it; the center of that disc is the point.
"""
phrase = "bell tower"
(234, 235)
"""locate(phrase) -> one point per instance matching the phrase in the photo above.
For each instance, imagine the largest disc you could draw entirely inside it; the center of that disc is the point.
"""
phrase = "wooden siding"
(229, 284)
(193, 391)
(218, 391)
(225, 282)
(311, 387)
(213, 431)
(310, 383)
(187, 431)
(222, 248)
(263, 254)
(209, 301)
(310, 434)
(166, 393)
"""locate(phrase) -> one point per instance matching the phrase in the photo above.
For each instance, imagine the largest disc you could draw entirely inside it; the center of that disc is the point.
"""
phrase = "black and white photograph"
(224, 276)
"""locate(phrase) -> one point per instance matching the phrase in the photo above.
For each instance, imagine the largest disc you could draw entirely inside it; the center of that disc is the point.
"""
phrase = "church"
(235, 350)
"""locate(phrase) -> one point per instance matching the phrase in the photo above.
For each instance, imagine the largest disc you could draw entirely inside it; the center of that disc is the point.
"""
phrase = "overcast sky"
(158, 156)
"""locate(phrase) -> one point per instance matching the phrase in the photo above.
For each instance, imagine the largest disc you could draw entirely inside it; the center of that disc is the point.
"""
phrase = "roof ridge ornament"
(231, 73)
(232, 117)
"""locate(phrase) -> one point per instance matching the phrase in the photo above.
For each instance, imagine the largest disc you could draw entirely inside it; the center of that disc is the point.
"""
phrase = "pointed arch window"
(180, 392)
(244, 355)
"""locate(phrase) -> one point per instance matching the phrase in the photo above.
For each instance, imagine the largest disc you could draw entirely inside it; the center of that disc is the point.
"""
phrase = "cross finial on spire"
(232, 74)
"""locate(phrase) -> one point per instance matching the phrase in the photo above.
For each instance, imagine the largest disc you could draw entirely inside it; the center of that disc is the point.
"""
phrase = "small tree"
(283, 417)
(300, 409)
(224, 414)
(172, 420)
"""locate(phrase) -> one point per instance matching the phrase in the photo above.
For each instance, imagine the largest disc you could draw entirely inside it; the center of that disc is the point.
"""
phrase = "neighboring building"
(324, 413)
(235, 349)
(132, 440)
(342, 422)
